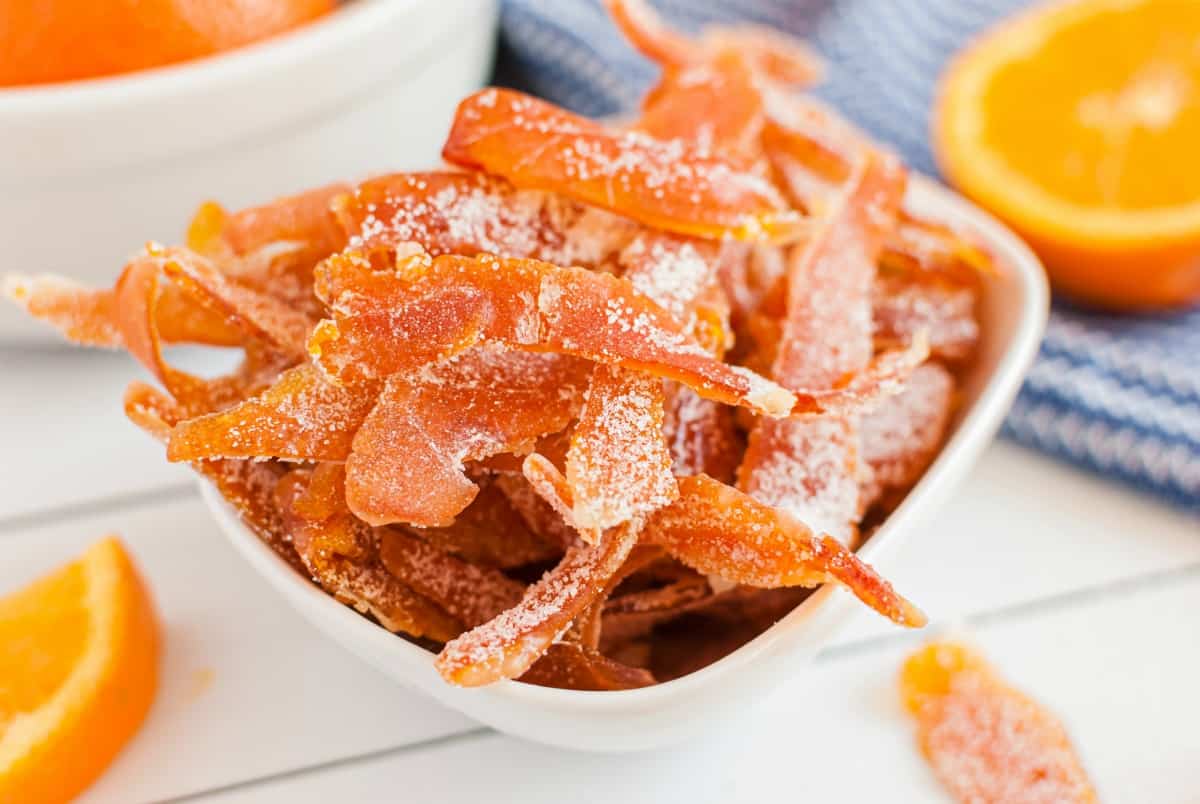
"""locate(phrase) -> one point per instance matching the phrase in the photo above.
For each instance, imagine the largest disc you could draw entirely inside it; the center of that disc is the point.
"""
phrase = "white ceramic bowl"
(90, 170)
(1013, 315)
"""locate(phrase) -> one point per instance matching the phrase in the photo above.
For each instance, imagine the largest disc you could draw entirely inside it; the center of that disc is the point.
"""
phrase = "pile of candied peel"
(591, 407)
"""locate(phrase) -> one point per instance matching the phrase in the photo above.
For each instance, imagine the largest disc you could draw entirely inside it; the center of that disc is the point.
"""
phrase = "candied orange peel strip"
(508, 645)
(664, 184)
(424, 309)
(407, 460)
(474, 213)
(472, 593)
(901, 439)
(618, 466)
(574, 667)
(985, 740)
(777, 55)
(342, 555)
(718, 530)
(301, 417)
(810, 468)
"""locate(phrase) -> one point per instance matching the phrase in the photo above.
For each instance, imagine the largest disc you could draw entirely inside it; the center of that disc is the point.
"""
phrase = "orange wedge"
(78, 671)
(1078, 123)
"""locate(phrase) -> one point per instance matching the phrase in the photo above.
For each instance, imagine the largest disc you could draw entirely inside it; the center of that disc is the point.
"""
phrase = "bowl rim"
(277, 53)
(973, 433)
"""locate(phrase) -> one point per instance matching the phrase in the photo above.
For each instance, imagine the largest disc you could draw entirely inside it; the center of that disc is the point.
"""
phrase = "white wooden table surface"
(1086, 594)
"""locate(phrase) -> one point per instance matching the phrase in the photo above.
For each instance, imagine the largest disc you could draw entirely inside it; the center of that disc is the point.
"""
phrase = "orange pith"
(1077, 123)
(64, 40)
(78, 671)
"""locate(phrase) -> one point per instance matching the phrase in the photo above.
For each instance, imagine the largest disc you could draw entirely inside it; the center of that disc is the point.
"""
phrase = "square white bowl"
(92, 169)
(1013, 313)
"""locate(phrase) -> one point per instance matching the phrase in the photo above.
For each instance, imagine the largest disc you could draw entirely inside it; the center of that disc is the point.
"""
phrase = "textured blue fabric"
(1120, 395)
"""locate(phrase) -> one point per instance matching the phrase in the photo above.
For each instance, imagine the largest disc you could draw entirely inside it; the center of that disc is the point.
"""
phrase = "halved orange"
(1078, 123)
(79, 655)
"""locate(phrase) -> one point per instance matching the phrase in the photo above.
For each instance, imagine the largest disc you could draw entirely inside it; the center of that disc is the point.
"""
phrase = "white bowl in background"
(90, 170)
(1013, 313)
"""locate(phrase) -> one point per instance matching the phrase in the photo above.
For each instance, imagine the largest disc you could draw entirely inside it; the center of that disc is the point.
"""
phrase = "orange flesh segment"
(664, 184)
(407, 459)
(1094, 168)
(79, 658)
(809, 468)
(1137, 104)
(508, 645)
(985, 740)
(429, 309)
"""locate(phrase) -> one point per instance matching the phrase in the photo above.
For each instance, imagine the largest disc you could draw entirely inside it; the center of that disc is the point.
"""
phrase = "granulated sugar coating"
(428, 309)
(985, 740)
(811, 468)
(508, 645)
(661, 183)
(407, 461)
(550, 359)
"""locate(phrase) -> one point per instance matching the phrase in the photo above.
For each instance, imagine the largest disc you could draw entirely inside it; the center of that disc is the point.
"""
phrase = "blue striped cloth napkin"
(1119, 395)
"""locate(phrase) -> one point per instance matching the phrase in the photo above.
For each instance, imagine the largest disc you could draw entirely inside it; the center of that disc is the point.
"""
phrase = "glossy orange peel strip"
(508, 645)
(665, 184)
(391, 321)
(718, 530)
(407, 460)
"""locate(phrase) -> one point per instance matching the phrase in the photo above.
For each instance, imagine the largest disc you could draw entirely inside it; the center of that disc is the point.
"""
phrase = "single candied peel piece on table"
(666, 184)
(985, 740)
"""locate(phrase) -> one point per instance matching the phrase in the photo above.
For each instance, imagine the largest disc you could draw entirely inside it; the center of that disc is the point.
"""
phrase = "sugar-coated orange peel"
(342, 554)
(593, 405)
(719, 530)
(574, 667)
(508, 645)
(407, 460)
(810, 468)
(423, 309)
(985, 740)
(901, 439)
(665, 184)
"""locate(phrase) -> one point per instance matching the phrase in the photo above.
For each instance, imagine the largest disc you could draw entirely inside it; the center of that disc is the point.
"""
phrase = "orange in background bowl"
(1077, 123)
(65, 40)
